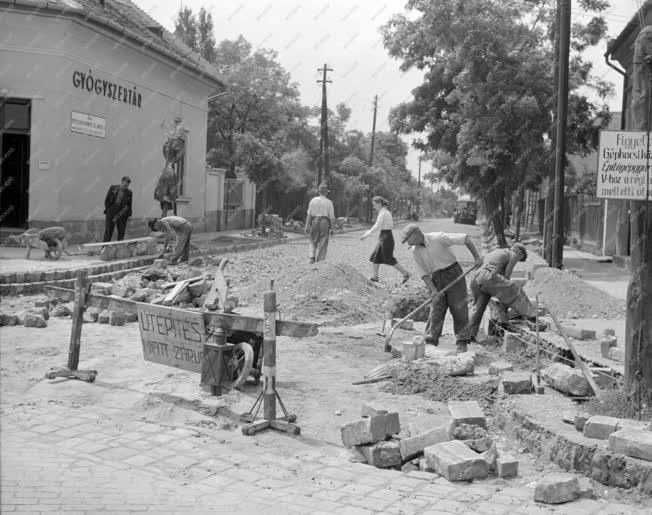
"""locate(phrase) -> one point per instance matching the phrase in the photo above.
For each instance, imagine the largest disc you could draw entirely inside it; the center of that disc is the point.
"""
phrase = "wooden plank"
(192, 280)
(101, 245)
(171, 336)
(225, 320)
(176, 292)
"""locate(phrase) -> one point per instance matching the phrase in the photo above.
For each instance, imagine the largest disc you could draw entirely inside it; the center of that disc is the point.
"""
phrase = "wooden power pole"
(638, 329)
(324, 127)
(371, 152)
(557, 247)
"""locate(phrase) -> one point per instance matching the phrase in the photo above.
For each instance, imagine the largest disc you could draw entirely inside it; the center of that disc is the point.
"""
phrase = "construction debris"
(517, 382)
(466, 412)
(370, 429)
(636, 443)
(498, 367)
(381, 454)
(506, 466)
(413, 446)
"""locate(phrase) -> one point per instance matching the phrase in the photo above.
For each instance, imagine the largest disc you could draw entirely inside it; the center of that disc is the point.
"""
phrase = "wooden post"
(638, 329)
(81, 290)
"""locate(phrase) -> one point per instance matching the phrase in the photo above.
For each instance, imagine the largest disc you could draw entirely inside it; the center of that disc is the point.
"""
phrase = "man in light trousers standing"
(439, 268)
(319, 221)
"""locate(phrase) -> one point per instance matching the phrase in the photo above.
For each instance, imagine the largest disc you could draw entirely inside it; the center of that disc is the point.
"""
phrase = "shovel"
(433, 297)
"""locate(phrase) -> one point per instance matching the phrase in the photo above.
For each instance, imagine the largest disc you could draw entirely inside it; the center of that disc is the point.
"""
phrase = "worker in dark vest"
(493, 280)
(117, 208)
(174, 227)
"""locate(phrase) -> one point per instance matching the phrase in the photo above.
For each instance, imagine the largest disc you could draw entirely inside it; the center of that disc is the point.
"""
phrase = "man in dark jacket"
(117, 208)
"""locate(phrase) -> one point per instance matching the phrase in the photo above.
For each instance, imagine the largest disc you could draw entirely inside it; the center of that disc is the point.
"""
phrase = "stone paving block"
(62, 310)
(580, 420)
(34, 320)
(636, 443)
(586, 488)
(370, 430)
(568, 416)
(566, 379)
(466, 412)
(424, 467)
(517, 382)
(119, 291)
(603, 376)
(455, 461)
(382, 454)
(617, 354)
(411, 351)
(370, 409)
(627, 423)
(557, 489)
(104, 316)
(498, 367)
(506, 466)
(578, 333)
(491, 457)
(479, 445)
(511, 342)
(8, 319)
(609, 332)
(131, 317)
(117, 318)
(606, 344)
(600, 427)
(412, 446)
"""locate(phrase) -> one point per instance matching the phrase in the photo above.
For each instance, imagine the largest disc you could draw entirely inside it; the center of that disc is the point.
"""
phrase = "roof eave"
(100, 20)
(629, 28)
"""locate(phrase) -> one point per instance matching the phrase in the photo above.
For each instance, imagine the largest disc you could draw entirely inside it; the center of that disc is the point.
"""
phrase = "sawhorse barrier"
(190, 340)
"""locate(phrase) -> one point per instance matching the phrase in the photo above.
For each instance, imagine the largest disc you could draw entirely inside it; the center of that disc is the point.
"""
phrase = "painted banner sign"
(83, 123)
(172, 337)
(622, 165)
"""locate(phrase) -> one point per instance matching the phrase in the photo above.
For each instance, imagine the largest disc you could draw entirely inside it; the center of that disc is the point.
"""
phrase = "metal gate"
(233, 202)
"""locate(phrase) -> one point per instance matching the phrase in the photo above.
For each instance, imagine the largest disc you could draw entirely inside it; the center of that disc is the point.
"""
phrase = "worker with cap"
(319, 221)
(493, 279)
(174, 227)
(439, 268)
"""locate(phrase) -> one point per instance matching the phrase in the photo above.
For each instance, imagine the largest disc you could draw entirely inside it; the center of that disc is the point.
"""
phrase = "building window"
(180, 170)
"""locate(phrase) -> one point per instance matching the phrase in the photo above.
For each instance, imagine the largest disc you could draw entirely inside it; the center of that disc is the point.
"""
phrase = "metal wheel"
(54, 249)
(238, 365)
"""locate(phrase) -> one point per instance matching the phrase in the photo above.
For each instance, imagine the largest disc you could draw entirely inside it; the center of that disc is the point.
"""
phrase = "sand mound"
(328, 293)
(568, 296)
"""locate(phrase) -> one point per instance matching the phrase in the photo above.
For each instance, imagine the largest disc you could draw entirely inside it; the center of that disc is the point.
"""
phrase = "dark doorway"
(14, 162)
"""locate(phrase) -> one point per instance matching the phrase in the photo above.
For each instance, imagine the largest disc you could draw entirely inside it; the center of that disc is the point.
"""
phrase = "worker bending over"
(439, 268)
(493, 280)
(174, 227)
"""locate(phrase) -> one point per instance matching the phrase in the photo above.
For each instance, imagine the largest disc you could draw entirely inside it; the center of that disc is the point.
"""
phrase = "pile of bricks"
(459, 450)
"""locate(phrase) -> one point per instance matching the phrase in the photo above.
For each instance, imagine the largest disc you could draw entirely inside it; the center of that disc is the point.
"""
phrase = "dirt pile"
(412, 379)
(568, 296)
(329, 293)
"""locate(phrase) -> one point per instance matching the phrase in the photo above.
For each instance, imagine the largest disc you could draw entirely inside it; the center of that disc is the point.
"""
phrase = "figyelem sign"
(172, 337)
(622, 165)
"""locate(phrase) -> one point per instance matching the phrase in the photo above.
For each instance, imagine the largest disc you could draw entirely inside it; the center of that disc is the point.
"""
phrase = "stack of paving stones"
(632, 438)
(609, 347)
(458, 451)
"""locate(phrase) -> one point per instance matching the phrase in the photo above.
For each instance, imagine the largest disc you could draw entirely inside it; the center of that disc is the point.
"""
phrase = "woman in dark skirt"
(384, 252)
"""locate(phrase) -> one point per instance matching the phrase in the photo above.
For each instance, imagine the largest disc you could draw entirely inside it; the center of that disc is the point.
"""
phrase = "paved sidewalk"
(61, 459)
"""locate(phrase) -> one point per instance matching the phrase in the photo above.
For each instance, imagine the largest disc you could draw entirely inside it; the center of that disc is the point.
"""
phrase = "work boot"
(461, 348)
(431, 340)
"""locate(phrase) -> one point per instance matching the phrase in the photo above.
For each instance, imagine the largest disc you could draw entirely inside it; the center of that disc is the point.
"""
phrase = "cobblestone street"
(76, 460)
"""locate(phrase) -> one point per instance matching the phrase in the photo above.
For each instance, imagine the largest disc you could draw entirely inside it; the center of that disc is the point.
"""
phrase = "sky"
(344, 34)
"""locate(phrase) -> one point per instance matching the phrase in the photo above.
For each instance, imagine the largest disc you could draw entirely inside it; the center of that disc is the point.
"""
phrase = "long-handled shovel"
(434, 296)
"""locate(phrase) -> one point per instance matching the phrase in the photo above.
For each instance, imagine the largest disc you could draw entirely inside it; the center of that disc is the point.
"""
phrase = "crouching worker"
(493, 280)
(174, 226)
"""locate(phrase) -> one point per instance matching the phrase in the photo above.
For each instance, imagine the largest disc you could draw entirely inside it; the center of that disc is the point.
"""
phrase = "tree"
(185, 27)
(485, 99)
(205, 36)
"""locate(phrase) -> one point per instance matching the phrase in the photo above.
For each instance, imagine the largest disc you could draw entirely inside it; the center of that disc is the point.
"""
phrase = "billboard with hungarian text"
(623, 162)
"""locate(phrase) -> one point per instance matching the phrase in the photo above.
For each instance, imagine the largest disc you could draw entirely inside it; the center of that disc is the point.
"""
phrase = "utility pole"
(419, 187)
(324, 127)
(638, 325)
(550, 189)
(557, 243)
(371, 152)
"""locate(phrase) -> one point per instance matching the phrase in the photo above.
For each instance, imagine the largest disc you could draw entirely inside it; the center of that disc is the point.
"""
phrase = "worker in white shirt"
(383, 254)
(174, 227)
(319, 221)
(434, 257)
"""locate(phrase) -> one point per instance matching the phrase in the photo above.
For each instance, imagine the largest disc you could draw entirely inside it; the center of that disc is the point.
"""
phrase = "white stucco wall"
(38, 55)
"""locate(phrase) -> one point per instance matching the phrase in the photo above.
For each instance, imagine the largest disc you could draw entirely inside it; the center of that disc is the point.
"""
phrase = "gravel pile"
(568, 296)
(329, 293)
